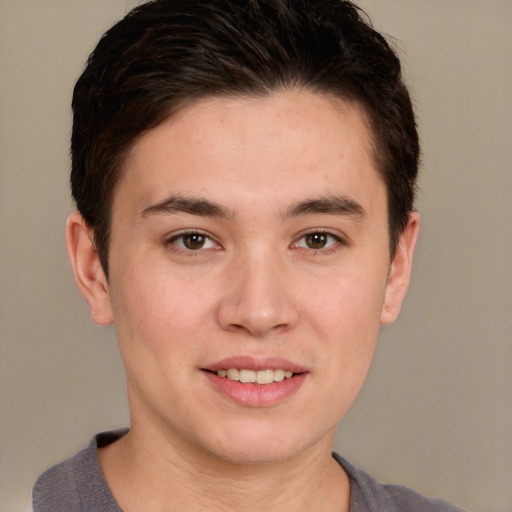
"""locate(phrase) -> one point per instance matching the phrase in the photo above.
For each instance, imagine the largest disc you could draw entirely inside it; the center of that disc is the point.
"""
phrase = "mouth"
(263, 377)
(256, 382)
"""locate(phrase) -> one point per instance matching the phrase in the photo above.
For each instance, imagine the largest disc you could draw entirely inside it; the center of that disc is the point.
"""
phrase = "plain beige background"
(436, 412)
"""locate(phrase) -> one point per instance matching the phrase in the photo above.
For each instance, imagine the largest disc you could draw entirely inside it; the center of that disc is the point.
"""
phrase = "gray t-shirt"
(78, 485)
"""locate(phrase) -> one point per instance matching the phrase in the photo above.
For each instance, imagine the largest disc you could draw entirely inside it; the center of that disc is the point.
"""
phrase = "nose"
(257, 300)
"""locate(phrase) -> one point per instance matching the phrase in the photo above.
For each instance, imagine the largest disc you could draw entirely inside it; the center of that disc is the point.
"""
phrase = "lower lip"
(257, 395)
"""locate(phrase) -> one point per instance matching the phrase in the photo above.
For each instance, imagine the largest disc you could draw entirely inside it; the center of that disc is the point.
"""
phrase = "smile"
(255, 377)
(256, 381)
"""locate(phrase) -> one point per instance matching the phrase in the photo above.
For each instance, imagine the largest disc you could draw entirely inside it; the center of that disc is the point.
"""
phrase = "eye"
(192, 241)
(317, 241)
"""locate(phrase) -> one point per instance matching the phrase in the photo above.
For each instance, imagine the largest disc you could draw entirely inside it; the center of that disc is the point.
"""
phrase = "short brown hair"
(165, 53)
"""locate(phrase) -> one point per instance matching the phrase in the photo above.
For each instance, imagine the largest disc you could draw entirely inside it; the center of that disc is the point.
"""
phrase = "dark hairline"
(353, 63)
(337, 101)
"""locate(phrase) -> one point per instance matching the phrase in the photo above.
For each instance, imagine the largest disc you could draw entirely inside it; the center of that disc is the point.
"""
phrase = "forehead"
(274, 145)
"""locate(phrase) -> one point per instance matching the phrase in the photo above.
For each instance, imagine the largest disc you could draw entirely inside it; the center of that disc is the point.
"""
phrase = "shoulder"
(370, 494)
(76, 484)
(57, 487)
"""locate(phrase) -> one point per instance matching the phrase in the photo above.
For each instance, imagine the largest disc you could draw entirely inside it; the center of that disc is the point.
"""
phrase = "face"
(249, 274)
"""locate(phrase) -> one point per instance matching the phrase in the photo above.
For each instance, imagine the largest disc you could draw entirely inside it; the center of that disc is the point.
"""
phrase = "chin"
(264, 444)
(255, 455)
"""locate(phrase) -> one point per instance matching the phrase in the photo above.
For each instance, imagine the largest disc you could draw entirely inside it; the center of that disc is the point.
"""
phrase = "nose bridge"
(258, 300)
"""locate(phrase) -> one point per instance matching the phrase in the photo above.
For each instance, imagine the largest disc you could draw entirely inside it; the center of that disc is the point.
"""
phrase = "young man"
(244, 172)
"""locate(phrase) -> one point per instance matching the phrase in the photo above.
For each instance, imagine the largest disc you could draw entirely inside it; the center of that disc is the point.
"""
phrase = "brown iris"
(194, 241)
(316, 240)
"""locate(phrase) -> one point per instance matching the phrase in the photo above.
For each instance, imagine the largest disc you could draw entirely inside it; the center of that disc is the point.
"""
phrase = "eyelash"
(337, 243)
(171, 244)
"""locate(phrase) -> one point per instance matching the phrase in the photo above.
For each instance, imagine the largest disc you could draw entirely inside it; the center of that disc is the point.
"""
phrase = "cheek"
(347, 301)
(154, 337)
(157, 317)
(346, 321)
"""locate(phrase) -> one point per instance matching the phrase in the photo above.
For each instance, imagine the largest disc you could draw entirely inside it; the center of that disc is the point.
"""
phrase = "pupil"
(316, 240)
(193, 241)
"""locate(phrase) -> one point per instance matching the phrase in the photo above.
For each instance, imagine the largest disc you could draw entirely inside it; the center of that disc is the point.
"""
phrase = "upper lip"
(255, 364)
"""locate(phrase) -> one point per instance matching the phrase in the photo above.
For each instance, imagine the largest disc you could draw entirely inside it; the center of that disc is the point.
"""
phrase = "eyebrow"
(190, 205)
(330, 205)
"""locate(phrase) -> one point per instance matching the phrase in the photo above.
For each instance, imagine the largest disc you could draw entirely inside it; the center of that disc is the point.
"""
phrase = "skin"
(275, 169)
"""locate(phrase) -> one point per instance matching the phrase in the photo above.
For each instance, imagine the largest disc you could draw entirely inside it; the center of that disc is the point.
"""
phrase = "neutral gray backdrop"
(436, 412)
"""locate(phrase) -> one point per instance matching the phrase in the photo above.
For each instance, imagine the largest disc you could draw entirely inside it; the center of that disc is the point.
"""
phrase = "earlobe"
(87, 268)
(400, 271)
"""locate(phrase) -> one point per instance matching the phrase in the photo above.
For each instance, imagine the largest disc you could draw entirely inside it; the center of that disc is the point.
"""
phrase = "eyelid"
(340, 239)
(170, 240)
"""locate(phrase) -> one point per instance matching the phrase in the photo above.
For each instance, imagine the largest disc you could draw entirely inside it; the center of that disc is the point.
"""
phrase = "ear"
(86, 264)
(400, 271)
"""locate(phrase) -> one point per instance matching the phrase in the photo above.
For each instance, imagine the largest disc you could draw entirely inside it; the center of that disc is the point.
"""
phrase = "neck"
(154, 475)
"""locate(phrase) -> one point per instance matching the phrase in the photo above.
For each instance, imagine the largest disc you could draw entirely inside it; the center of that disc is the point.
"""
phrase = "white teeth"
(278, 375)
(255, 377)
(265, 376)
(247, 376)
(233, 374)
